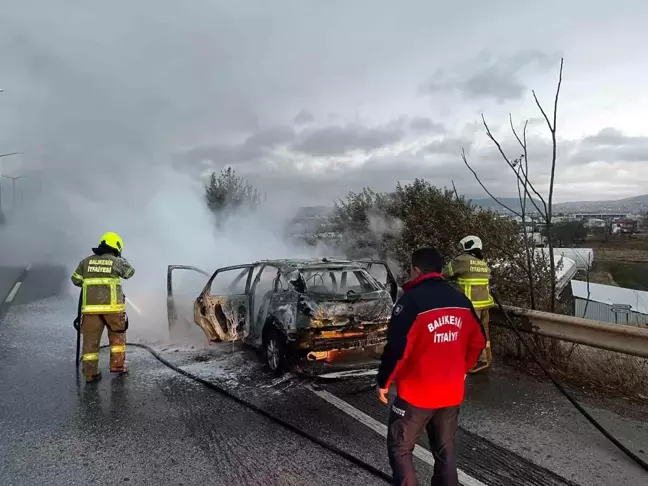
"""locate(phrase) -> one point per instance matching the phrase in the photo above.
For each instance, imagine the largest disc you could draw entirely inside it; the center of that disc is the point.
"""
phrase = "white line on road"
(346, 374)
(13, 293)
(16, 287)
(420, 452)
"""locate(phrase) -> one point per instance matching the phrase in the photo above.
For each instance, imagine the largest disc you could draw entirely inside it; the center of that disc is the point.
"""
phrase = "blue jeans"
(406, 423)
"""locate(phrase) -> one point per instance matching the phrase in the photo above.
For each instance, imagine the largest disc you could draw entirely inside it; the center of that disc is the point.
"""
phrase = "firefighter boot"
(93, 378)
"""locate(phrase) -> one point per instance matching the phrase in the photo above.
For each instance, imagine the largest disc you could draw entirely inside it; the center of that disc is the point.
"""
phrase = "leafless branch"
(526, 188)
(463, 157)
(523, 145)
(455, 190)
(587, 301)
(522, 195)
(510, 164)
(552, 129)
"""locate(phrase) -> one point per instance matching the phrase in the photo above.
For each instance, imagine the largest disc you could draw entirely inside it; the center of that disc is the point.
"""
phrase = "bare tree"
(527, 190)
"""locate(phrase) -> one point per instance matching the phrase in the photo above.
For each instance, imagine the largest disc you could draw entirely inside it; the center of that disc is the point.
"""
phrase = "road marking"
(345, 374)
(13, 293)
(420, 452)
(16, 287)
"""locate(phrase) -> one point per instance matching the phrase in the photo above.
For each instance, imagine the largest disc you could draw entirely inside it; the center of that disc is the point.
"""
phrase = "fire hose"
(643, 464)
(273, 418)
(638, 460)
(217, 388)
(353, 459)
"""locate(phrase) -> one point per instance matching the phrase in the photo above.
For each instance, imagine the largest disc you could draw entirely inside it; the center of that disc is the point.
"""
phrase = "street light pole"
(13, 189)
(5, 155)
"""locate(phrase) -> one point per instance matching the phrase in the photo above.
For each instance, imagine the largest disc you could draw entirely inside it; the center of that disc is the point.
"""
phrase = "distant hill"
(511, 202)
(636, 204)
(310, 217)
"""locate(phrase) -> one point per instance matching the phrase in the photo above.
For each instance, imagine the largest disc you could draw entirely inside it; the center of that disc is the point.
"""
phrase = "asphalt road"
(154, 426)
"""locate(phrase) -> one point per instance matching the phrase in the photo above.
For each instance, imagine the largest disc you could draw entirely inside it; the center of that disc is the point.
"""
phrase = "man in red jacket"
(434, 338)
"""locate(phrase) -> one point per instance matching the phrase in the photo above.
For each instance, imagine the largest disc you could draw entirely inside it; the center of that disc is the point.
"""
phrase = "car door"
(180, 299)
(379, 269)
(222, 309)
(263, 286)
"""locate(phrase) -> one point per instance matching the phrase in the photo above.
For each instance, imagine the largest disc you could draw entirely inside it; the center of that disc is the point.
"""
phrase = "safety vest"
(101, 290)
(473, 278)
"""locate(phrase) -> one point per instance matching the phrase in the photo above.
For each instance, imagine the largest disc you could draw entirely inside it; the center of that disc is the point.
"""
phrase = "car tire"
(274, 351)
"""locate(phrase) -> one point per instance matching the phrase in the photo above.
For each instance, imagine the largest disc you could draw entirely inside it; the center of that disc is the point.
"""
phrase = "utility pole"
(5, 155)
(13, 189)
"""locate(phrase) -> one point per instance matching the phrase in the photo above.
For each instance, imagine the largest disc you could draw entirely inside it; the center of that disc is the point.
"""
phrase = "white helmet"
(471, 243)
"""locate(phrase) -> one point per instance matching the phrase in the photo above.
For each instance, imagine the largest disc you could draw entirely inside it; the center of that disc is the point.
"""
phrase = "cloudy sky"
(312, 99)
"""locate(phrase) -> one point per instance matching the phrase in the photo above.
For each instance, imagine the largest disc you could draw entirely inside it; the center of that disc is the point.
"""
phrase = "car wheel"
(274, 350)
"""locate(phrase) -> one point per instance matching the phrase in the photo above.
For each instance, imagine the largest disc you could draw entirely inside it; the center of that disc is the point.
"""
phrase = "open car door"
(181, 305)
(383, 274)
(222, 309)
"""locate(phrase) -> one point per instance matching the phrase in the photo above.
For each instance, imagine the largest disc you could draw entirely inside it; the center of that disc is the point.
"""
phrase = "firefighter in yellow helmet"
(472, 275)
(103, 304)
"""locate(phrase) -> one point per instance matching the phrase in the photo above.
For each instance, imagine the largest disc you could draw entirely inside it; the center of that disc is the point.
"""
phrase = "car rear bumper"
(316, 340)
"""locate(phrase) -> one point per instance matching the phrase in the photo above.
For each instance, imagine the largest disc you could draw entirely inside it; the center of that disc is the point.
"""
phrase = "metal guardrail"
(624, 339)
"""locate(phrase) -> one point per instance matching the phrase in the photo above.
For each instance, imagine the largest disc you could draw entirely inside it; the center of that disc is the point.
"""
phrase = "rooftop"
(608, 294)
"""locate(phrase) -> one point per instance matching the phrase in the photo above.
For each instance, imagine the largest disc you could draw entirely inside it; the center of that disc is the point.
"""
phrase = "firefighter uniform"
(103, 304)
(472, 275)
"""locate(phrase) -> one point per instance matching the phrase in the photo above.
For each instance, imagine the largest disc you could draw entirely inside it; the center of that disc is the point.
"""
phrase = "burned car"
(294, 309)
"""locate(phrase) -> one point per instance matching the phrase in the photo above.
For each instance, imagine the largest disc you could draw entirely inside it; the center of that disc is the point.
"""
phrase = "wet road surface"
(154, 426)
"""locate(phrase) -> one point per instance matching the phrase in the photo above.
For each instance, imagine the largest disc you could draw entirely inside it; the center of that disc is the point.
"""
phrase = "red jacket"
(434, 338)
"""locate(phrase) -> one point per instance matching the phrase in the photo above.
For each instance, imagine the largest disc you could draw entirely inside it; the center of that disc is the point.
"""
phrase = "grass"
(629, 275)
(602, 372)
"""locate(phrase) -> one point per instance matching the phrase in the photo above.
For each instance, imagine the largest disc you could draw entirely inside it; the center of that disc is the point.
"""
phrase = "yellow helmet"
(113, 240)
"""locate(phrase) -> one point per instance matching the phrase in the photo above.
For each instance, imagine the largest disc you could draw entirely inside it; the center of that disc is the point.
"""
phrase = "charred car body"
(294, 309)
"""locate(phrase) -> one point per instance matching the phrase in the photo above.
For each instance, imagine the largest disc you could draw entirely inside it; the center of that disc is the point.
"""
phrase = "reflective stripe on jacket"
(473, 277)
(99, 277)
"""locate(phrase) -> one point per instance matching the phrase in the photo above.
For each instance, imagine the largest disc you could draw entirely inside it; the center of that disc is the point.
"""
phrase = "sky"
(120, 109)
(310, 100)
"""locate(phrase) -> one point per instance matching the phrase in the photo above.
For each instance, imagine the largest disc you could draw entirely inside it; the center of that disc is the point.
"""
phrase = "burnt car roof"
(299, 263)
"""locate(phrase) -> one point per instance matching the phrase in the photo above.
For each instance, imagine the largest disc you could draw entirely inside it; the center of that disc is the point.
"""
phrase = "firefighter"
(472, 275)
(103, 304)
(434, 337)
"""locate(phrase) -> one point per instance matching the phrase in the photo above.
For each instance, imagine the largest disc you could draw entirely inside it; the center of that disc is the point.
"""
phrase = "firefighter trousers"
(486, 357)
(92, 326)
(406, 423)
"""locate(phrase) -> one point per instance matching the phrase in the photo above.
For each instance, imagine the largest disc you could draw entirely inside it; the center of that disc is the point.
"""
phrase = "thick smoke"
(104, 98)
(381, 225)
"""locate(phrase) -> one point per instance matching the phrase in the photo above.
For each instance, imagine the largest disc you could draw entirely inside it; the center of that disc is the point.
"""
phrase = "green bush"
(392, 225)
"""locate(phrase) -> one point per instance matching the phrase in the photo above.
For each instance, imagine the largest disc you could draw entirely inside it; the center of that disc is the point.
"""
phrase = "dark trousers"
(406, 423)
